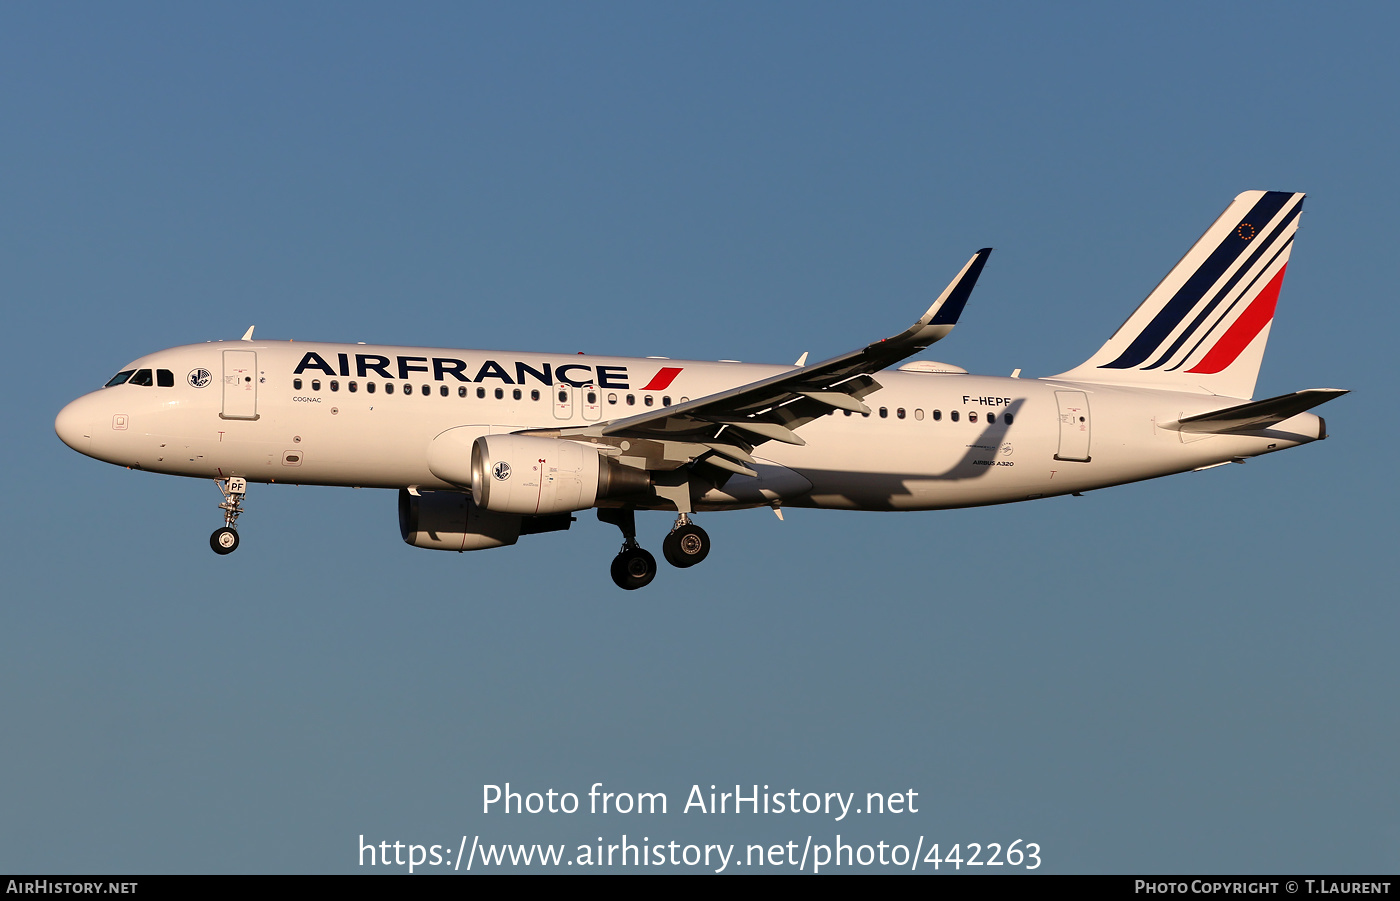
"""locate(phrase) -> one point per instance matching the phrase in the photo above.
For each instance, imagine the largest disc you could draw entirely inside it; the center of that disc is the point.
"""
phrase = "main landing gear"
(225, 540)
(687, 544)
(634, 567)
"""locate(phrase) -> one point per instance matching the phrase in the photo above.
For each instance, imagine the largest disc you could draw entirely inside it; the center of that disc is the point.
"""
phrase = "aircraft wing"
(731, 423)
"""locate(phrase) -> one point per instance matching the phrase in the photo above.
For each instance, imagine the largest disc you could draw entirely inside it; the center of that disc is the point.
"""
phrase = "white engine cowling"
(541, 476)
(449, 521)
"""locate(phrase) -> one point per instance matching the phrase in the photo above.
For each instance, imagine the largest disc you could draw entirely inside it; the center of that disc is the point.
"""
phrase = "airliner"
(484, 447)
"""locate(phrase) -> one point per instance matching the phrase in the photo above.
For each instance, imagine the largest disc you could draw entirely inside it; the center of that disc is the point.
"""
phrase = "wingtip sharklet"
(949, 305)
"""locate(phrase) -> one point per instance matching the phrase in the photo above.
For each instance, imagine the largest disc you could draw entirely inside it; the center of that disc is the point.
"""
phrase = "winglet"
(949, 305)
(248, 335)
(939, 319)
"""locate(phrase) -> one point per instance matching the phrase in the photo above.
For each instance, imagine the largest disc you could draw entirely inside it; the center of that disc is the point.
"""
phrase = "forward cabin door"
(1074, 426)
(240, 384)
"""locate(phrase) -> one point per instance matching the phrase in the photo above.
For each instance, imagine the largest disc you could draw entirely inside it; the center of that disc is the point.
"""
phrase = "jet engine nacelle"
(542, 476)
(450, 521)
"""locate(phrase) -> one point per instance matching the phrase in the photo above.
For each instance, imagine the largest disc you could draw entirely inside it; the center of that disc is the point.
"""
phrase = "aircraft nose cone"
(74, 426)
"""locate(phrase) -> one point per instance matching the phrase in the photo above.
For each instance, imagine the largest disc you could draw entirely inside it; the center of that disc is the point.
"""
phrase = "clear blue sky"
(1195, 674)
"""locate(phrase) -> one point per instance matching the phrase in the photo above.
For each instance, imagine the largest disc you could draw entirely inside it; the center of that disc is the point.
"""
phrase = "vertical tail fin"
(1204, 327)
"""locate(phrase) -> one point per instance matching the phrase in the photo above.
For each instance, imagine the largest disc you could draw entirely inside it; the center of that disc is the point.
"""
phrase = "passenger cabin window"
(972, 416)
(953, 415)
(296, 384)
(442, 389)
(937, 415)
(120, 378)
(369, 387)
(1006, 419)
(991, 418)
(919, 414)
(352, 387)
(534, 394)
(462, 391)
(500, 393)
(515, 394)
(315, 384)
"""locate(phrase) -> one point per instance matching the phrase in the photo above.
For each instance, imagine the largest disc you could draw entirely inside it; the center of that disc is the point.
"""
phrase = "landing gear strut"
(633, 567)
(687, 544)
(225, 540)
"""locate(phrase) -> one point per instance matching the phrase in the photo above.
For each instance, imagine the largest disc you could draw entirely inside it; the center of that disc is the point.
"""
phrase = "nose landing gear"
(225, 540)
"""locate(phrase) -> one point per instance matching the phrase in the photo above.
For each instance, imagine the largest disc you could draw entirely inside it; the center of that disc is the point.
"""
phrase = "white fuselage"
(367, 416)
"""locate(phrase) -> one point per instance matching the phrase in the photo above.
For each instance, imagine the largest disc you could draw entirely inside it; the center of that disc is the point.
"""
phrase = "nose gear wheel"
(225, 540)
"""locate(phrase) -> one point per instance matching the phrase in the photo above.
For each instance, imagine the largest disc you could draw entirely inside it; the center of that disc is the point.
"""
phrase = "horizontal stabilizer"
(1255, 415)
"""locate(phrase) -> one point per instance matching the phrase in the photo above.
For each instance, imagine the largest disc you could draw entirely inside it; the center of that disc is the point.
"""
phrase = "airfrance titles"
(516, 372)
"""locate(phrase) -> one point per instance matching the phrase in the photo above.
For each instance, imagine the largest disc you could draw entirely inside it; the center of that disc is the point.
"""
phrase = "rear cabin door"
(1074, 426)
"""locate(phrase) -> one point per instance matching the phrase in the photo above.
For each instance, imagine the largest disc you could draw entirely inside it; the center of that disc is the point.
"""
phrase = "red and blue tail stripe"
(1205, 325)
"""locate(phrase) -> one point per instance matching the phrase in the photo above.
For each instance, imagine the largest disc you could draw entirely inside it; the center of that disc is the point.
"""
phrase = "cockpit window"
(120, 378)
(142, 377)
(165, 378)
